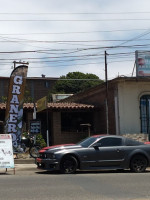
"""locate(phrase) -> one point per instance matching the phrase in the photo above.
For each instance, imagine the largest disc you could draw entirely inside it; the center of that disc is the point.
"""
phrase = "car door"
(110, 152)
(88, 158)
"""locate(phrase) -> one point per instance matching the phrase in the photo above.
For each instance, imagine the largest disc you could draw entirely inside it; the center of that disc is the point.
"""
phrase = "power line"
(78, 32)
(113, 55)
(70, 65)
(74, 13)
(71, 20)
(81, 49)
(69, 41)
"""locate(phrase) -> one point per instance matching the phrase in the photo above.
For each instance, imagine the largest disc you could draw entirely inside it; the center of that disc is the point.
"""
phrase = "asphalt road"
(28, 183)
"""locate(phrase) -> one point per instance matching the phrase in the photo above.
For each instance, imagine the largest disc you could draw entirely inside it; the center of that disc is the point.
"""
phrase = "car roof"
(97, 136)
(105, 135)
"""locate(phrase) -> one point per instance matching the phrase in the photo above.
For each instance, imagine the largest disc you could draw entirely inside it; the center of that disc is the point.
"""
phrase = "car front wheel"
(68, 165)
(138, 164)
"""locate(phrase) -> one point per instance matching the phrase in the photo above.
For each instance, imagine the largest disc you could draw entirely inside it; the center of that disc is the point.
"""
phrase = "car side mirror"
(96, 145)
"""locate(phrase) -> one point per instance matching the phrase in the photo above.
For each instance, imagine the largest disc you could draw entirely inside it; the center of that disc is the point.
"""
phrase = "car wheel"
(138, 164)
(68, 165)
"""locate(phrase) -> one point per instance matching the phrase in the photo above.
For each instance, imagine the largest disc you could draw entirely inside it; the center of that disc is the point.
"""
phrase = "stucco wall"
(129, 94)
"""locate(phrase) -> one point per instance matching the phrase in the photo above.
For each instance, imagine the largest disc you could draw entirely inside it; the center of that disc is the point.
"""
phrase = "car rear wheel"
(138, 164)
(68, 165)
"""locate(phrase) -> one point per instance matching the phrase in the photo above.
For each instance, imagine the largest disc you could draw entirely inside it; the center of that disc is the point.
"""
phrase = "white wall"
(129, 94)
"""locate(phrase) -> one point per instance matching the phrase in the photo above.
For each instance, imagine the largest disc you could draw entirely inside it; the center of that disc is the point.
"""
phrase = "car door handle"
(118, 150)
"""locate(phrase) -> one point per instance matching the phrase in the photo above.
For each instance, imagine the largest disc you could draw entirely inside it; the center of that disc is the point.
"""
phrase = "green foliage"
(40, 140)
(3, 99)
(27, 97)
(25, 134)
(74, 86)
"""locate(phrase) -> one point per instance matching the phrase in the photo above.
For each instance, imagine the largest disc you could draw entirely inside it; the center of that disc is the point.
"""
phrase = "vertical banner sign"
(14, 107)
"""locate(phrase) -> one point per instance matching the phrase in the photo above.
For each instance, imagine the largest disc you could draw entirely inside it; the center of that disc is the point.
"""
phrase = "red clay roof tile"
(55, 106)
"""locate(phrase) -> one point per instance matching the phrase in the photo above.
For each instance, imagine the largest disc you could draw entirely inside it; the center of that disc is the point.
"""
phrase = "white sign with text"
(6, 151)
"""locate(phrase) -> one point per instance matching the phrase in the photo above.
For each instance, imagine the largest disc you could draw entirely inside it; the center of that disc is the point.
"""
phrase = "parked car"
(96, 152)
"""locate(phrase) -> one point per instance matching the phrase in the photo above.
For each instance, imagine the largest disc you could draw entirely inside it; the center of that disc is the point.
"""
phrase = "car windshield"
(87, 142)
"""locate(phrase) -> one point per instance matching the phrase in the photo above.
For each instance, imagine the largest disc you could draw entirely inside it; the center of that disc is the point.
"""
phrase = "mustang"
(96, 152)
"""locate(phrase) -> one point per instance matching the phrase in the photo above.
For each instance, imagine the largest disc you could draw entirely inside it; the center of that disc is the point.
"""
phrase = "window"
(71, 121)
(130, 142)
(108, 142)
(145, 113)
(47, 84)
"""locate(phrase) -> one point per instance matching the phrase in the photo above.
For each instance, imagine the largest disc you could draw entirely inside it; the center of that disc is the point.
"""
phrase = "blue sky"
(57, 37)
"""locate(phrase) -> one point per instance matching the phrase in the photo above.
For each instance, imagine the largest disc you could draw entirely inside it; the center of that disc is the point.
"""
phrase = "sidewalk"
(23, 158)
(24, 161)
(20, 169)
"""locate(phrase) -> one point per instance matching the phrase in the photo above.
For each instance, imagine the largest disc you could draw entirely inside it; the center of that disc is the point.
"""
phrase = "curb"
(24, 161)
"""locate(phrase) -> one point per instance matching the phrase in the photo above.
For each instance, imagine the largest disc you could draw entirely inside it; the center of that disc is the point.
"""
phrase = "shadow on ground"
(90, 172)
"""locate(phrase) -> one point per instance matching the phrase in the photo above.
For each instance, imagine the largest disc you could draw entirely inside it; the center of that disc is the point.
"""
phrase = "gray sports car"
(96, 152)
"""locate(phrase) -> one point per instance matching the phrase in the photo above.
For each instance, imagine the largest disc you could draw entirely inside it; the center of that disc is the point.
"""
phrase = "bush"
(40, 140)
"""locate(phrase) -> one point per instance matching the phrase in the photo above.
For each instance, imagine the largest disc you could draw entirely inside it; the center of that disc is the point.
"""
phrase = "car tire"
(68, 165)
(138, 164)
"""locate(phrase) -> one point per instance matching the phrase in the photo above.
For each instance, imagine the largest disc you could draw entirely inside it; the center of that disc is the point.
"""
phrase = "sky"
(60, 36)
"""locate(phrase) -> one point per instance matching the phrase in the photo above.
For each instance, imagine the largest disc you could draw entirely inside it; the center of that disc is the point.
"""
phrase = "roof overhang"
(56, 106)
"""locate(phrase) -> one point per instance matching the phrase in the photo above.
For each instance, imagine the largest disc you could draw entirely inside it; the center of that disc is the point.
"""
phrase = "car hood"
(60, 147)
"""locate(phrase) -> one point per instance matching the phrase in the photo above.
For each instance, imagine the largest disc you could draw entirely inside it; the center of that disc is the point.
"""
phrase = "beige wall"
(129, 94)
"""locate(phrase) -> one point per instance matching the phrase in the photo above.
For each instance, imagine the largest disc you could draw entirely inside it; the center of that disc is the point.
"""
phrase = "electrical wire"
(72, 20)
(79, 32)
(73, 13)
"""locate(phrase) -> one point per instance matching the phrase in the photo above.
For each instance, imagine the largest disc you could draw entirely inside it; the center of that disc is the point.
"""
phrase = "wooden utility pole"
(20, 63)
(106, 97)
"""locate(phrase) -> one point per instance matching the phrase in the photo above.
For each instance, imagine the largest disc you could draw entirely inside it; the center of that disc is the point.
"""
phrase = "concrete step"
(23, 158)
(24, 161)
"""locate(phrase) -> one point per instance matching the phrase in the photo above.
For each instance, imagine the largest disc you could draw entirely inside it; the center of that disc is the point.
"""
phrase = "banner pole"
(47, 132)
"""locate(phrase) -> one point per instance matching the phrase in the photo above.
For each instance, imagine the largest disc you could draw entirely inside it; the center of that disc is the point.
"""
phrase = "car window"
(87, 142)
(131, 142)
(108, 142)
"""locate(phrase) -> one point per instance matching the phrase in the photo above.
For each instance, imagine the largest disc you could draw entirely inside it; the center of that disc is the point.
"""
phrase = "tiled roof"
(70, 106)
(2, 106)
(55, 106)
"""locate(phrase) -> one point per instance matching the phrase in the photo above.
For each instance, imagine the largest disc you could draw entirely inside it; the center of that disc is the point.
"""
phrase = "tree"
(27, 97)
(73, 86)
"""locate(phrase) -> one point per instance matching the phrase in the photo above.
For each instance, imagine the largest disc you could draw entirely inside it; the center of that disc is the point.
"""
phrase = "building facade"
(128, 105)
(70, 119)
(36, 87)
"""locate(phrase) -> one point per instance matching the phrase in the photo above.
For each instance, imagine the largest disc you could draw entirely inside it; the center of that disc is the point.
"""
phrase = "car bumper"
(47, 164)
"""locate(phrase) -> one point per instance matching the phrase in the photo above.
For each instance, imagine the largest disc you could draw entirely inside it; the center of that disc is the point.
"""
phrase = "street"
(31, 183)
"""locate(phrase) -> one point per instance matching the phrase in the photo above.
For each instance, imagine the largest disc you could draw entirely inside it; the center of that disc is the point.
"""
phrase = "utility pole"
(24, 63)
(106, 97)
(47, 131)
